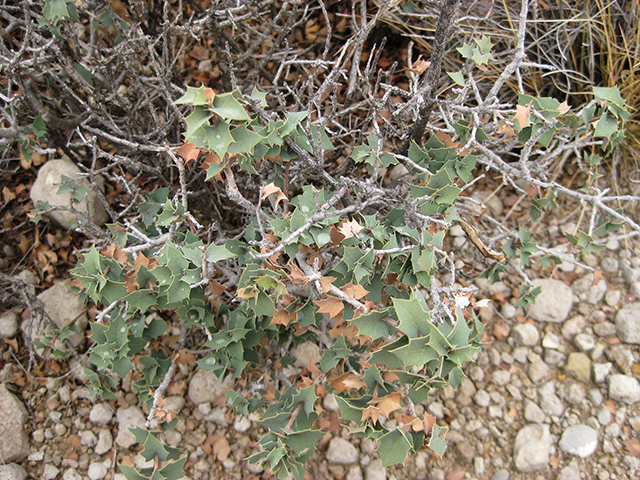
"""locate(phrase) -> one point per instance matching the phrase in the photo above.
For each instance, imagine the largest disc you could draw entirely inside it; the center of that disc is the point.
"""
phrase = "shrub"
(275, 222)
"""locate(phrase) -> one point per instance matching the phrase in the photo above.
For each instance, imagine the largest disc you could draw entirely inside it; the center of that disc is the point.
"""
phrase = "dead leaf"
(215, 288)
(370, 412)
(564, 108)
(597, 278)
(325, 283)
(349, 228)
(522, 115)
(633, 445)
(420, 65)
(554, 462)
(354, 291)
(330, 305)
(182, 357)
(8, 194)
(188, 152)
(270, 190)
(500, 331)
(346, 381)
(282, 317)
(388, 403)
(297, 276)
(222, 449)
(428, 421)
(456, 474)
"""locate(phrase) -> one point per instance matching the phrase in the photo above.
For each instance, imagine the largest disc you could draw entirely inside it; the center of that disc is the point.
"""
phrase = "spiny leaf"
(394, 447)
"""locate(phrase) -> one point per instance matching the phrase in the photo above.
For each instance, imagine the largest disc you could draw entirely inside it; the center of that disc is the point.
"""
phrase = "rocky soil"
(553, 395)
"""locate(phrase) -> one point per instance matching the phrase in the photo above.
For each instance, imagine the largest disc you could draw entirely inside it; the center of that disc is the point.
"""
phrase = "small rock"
(525, 334)
(482, 398)
(623, 388)
(501, 474)
(573, 326)
(354, 473)
(574, 394)
(175, 403)
(610, 264)
(105, 442)
(436, 474)
(45, 189)
(101, 414)
(341, 452)
(218, 416)
(628, 323)
(578, 366)
(478, 466)
(622, 356)
(9, 324)
(436, 409)
(553, 357)
(71, 474)
(330, 403)
(375, 471)
(584, 342)
(128, 418)
(88, 438)
(551, 340)
(205, 387)
(635, 423)
(305, 352)
(12, 471)
(554, 302)
(550, 403)
(13, 420)
(570, 472)
(601, 371)
(531, 448)
(588, 292)
(501, 377)
(50, 472)
(604, 417)
(97, 471)
(580, 440)
(604, 329)
(241, 424)
(612, 297)
(533, 413)
(538, 371)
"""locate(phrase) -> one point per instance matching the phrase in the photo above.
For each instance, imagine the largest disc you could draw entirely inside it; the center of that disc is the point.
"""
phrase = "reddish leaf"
(188, 152)
(370, 412)
(270, 190)
(522, 115)
(388, 403)
(330, 305)
(633, 445)
(282, 317)
(354, 291)
(346, 381)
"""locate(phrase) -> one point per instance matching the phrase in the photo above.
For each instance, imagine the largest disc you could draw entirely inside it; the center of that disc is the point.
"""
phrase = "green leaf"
(193, 96)
(217, 138)
(245, 140)
(414, 320)
(198, 118)
(606, 126)
(216, 253)
(457, 77)
(393, 447)
(437, 442)
(227, 106)
(301, 441)
(372, 324)
(466, 50)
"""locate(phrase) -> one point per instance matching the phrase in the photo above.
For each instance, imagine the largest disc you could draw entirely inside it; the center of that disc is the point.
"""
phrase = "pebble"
(538, 371)
(375, 471)
(588, 292)
(635, 423)
(550, 403)
(12, 471)
(9, 324)
(531, 448)
(501, 474)
(533, 413)
(601, 371)
(573, 326)
(105, 442)
(604, 329)
(612, 297)
(341, 452)
(584, 342)
(205, 387)
(13, 418)
(628, 323)
(305, 352)
(623, 388)
(551, 340)
(50, 472)
(622, 356)
(101, 414)
(570, 472)
(71, 474)
(241, 424)
(554, 302)
(330, 403)
(578, 366)
(580, 440)
(525, 334)
(97, 471)
(574, 394)
(88, 438)
(501, 377)
(128, 418)
(553, 357)
(482, 398)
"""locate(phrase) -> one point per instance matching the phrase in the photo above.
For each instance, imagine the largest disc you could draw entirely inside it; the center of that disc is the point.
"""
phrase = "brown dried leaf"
(188, 152)
(330, 305)
(633, 445)
(522, 115)
(346, 381)
(350, 228)
(420, 65)
(388, 403)
(270, 190)
(282, 317)
(354, 291)
(370, 412)
(222, 449)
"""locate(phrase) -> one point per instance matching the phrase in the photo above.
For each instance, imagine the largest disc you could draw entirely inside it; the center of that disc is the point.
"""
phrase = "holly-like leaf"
(196, 96)
(217, 138)
(394, 447)
(188, 152)
(270, 189)
(414, 320)
(216, 253)
(198, 118)
(437, 442)
(457, 77)
(370, 412)
(346, 381)
(282, 317)
(349, 228)
(330, 305)
(227, 106)
(387, 404)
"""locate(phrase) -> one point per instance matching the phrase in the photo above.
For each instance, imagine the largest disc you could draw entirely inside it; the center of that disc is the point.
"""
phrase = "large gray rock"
(14, 442)
(623, 388)
(63, 306)
(12, 471)
(580, 440)
(342, 452)
(628, 323)
(128, 418)
(531, 449)
(554, 302)
(45, 189)
(205, 387)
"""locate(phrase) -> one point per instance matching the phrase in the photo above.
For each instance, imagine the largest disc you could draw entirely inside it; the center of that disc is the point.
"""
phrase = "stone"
(578, 366)
(50, 472)
(128, 418)
(628, 323)
(330, 403)
(8, 324)
(623, 388)
(573, 326)
(71, 474)
(341, 452)
(482, 398)
(622, 356)
(375, 471)
(612, 297)
(604, 417)
(45, 189)
(305, 352)
(635, 423)
(354, 473)
(501, 474)
(587, 291)
(101, 414)
(205, 387)
(12, 471)
(584, 342)
(533, 413)
(531, 448)
(580, 440)
(538, 371)
(604, 329)
(574, 393)
(63, 306)
(13, 418)
(570, 472)
(105, 442)
(88, 438)
(241, 424)
(501, 377)
(549, 401)
(601, 371)
(551, 340)
(97, 471)
(554, 302)
(525, 334)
